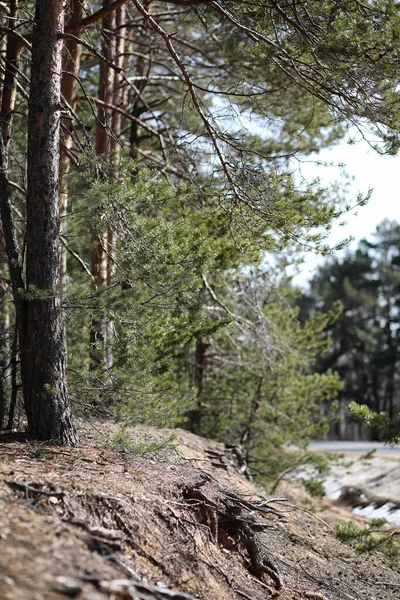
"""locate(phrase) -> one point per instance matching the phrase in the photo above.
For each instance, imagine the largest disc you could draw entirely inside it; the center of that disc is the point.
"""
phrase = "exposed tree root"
(230, 520)
(135, 590)
(233, 524)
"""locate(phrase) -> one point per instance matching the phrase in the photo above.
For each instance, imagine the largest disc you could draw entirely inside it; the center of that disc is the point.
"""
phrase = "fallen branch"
(30, 489)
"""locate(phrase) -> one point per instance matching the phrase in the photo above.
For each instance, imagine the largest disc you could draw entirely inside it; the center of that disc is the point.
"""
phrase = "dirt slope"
(178, 524)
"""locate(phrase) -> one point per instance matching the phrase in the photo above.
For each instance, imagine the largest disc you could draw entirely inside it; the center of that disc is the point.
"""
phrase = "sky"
(356, 163)
(367, 169)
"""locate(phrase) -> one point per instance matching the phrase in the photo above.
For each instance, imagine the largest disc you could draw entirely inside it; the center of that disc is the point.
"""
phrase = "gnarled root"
(233, 524)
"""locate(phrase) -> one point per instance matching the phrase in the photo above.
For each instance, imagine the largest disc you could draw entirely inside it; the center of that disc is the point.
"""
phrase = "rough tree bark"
(44, 354)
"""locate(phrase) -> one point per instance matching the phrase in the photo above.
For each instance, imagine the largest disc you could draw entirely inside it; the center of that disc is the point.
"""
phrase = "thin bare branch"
(91, 48)
(77, 257)
(100, 14)
(123, 112)
(189, 83)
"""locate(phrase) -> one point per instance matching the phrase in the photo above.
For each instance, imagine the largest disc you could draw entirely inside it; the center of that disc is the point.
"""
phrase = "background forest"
(364, 348)
(151, 203)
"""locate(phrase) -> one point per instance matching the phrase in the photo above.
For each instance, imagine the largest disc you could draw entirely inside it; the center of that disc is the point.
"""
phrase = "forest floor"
(178, 523)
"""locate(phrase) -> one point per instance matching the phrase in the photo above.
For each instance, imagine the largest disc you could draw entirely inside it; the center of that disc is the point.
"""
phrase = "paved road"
(349, 446)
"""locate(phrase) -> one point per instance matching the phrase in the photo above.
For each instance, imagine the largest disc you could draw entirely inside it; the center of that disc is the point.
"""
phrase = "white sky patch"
(367, 169)
(357, 163)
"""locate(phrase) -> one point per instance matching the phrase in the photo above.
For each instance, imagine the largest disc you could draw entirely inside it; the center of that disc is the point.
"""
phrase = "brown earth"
(179, 523)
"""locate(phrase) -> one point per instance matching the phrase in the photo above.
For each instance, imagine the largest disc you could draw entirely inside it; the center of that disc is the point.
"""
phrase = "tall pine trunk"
(42, 344)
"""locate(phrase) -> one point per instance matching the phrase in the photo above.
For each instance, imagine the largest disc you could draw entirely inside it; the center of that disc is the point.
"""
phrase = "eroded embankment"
(179, 524)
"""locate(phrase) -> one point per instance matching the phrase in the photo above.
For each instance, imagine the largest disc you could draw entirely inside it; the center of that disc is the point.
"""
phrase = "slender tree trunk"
(13, 55)
(255, 406)
(118, 91)
(200, 358)
(103, 146)
(14, 384)
(4, 335)
(43, 347)
(117, 100)
(14, 262)
(137, 105)
(10, 238)
(3, 399)
(195, 415)
(9, 90)
(71, 66)
(115, 145)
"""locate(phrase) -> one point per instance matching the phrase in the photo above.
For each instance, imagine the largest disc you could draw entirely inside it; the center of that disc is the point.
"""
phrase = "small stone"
(66, 585)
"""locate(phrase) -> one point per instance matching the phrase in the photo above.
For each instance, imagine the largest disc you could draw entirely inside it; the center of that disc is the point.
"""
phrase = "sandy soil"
(177, 524)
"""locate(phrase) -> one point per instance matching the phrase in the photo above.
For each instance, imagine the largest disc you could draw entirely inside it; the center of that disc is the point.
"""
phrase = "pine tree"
(364, 349)
(180, 109)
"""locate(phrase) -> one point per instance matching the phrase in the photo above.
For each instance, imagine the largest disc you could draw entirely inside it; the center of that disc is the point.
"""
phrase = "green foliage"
(153, 306)
(40, 452)
(314, 487)
(388, 430)
(348, 530)
(366, 282)
(257, 389)
(155, 312)
(365, 458)
(347, 38)
(186, 323)
(122, 442)
(366, 538)
(291, 461)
